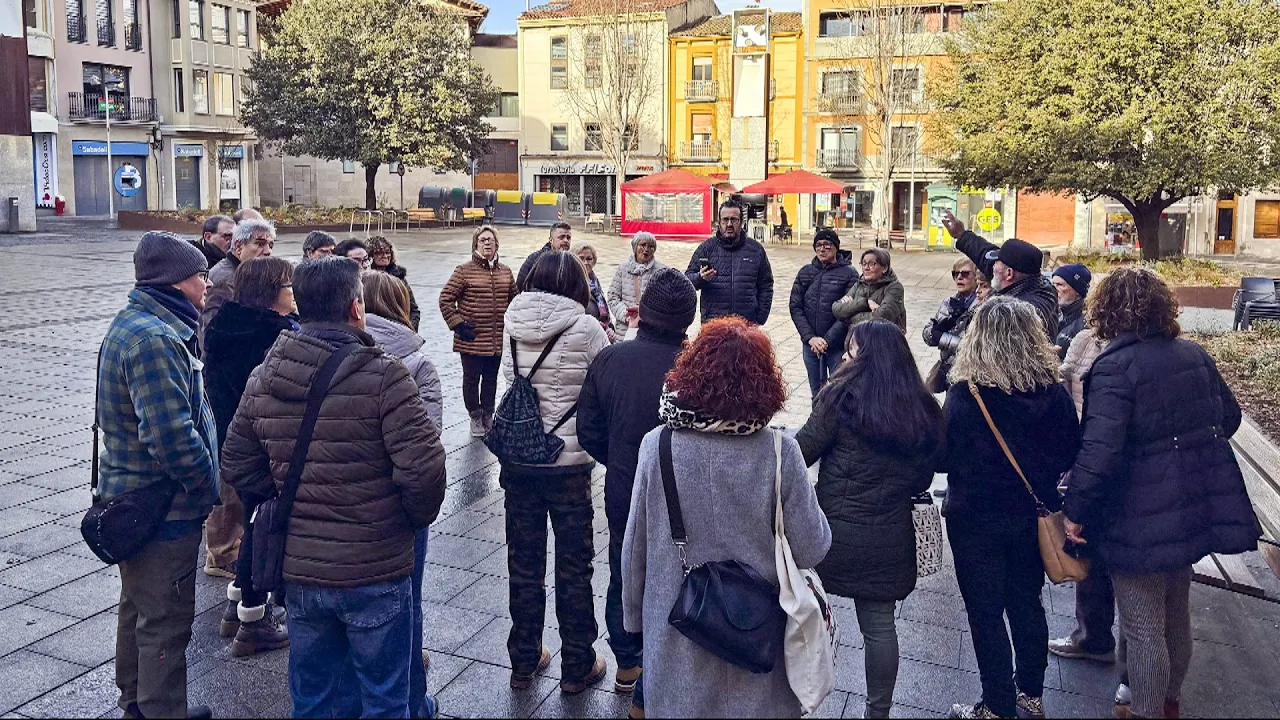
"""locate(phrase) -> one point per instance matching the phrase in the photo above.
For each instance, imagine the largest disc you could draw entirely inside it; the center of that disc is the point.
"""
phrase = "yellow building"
(735, 98)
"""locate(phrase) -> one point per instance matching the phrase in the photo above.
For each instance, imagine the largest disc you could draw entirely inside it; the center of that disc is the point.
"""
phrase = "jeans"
(567, 500)
(880, 638)
(157, 605)
(628, 648)
(1155, 617)
(371, 627)
(419, 705)
(1095, 611)
(480, 381)
(249, 597)
(820, 367)
(1000, 573)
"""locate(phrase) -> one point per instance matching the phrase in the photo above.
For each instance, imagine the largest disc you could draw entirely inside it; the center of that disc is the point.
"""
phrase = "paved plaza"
(58, 292)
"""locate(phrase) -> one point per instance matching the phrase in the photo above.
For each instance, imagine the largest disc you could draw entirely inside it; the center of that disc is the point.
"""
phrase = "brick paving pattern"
(58, 292)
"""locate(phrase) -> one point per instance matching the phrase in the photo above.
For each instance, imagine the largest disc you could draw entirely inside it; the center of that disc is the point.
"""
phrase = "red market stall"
(673, 203)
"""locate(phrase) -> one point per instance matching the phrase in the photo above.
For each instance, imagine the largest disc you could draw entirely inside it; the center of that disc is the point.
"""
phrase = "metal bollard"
(11, 213)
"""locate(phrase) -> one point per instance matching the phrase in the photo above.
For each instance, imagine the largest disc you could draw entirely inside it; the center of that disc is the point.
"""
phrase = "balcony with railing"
(838, 159)
(700, 151)
(840, 103)
(75, 28)
(123, 108)
(701, 90)
(132, 36)
(106, 32)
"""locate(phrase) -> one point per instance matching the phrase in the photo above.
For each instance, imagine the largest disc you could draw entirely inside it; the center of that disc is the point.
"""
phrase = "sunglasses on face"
(958, 274)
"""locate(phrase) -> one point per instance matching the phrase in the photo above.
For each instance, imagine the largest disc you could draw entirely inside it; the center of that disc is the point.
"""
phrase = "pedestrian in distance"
(215, 238)
(250, 239)
(1072, 285)
(874, 295)
(878, 432)
(238, 340)
(318, 244)
(1013, 269)
(355, 250)
(473, 303)
(598, 308)
(731, 272)
(946, 327)
(715, 409)
(374, 475)
(246, 214)
(158, 434)
(617, 407)
(818, 285)
(629, 282)
(1006, 368)
(386, 302)
(382, 257)
(1156, 486)
(549, 320)
(560, 238)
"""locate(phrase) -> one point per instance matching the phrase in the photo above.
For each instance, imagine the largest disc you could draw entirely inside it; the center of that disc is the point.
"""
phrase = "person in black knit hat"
(618, 405)
(817, 287)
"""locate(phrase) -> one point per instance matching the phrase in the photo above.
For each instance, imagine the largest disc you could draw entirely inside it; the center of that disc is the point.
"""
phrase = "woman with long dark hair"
(876, 429)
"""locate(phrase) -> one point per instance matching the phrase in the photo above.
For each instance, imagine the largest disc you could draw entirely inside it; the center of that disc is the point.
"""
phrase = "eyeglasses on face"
(381, 253)
(869, 264)
(824, 245)
(958, 274)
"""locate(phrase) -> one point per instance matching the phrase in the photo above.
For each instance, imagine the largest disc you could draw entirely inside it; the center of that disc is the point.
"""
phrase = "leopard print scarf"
(677, 417)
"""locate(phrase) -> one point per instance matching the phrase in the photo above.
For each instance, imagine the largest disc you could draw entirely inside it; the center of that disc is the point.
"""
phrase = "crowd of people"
(289, 410)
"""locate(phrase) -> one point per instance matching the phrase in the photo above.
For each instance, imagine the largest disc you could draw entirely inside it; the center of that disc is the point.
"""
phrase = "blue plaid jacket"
(156, 425)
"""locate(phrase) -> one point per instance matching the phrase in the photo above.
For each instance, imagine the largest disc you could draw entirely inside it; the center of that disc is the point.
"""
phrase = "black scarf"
(175, 302)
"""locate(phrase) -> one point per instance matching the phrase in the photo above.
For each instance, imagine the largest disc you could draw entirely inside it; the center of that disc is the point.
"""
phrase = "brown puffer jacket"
(375, 469)
(478, 293)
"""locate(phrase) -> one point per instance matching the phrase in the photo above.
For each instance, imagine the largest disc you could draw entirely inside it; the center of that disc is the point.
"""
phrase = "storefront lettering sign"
(46, 162)
(577, 168)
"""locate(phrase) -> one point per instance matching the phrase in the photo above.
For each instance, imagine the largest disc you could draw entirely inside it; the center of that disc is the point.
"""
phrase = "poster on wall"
(229, 183)
(46, 167)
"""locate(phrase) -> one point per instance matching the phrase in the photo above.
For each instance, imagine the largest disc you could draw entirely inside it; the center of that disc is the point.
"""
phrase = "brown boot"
(624, 681)
(260, 631)
(573, 687)
(230, 620)
(520, 681)
(477, 424)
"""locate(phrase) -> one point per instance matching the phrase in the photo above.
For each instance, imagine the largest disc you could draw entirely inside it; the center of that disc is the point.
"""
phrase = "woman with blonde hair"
(598, 308)
(1005, 375)
(630, 280)
(947, 326)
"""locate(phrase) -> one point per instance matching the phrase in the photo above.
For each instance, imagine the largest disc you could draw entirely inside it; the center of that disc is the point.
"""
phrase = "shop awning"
(674, 180)
(796, 182)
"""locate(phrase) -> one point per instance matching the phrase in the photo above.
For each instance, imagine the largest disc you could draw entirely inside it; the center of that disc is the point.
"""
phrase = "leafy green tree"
(373, 81)
(1143, 101)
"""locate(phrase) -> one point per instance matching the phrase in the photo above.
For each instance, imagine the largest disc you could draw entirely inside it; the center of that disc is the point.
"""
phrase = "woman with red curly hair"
(717, 402)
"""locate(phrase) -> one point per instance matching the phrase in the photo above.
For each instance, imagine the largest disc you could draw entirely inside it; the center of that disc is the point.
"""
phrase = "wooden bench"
(419, 215)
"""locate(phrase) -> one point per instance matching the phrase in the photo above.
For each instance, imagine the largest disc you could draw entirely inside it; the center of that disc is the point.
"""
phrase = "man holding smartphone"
(731, 271)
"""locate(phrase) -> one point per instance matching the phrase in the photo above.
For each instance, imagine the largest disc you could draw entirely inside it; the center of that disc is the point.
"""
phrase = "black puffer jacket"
(1036, 289)
(865, 492)
(1070, 323)
(236, 342)
(816, 288)
(1156, 484)
(743, 284)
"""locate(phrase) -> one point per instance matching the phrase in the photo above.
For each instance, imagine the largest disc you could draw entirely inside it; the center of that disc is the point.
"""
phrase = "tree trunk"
(622, 178)
(1147, 219)
(880, 215)
(370, 189)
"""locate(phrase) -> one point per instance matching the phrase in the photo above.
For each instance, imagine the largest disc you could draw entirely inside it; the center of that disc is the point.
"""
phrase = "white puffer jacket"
(406, 345)
(533, 318)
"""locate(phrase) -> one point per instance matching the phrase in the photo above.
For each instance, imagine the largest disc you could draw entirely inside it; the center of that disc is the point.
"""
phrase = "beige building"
(565, 51)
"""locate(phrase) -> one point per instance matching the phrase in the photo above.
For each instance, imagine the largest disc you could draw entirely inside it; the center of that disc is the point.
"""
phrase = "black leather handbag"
(726, 607)
(270, 522)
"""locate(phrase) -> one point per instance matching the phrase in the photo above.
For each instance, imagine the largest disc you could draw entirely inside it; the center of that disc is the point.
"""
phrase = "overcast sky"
(503, 13)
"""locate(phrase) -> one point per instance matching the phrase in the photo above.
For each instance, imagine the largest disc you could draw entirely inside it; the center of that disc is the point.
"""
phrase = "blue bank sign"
(98, 147)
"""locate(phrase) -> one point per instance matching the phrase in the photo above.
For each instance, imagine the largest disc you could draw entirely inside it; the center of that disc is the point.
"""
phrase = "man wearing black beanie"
(617, 407)
(1013, 269)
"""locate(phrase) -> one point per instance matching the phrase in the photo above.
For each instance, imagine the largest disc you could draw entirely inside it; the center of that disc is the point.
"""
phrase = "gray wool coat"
(726, 497)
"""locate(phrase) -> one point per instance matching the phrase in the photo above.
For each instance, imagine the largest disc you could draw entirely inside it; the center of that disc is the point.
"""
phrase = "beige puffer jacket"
(533, 319)
(1084, 349)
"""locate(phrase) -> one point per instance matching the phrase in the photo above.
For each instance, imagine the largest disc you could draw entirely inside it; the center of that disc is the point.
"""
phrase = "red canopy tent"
(672, 203)
(796, 182)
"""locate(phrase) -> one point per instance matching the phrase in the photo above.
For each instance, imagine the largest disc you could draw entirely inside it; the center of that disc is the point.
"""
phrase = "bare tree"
(613, 77)
(880, 88)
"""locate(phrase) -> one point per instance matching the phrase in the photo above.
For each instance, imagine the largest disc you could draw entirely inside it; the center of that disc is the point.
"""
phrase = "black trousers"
(1095, 610)
(480, 381)
(1000, 574)
(628, 648)
(244, 562)
(566, 499)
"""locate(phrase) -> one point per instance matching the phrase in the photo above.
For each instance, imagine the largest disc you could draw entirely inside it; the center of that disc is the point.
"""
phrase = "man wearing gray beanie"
(617, 406)
(159, 439)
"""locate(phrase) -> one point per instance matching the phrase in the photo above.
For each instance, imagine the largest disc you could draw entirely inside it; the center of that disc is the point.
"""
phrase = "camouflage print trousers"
(566, 499)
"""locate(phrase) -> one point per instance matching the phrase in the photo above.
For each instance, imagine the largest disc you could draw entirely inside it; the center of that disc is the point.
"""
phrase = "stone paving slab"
(58, 292)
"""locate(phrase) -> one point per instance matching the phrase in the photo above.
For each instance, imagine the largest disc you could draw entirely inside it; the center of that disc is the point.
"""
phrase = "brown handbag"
(1050, 526)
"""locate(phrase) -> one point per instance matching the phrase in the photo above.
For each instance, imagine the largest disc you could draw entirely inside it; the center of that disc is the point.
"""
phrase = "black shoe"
(199, 712)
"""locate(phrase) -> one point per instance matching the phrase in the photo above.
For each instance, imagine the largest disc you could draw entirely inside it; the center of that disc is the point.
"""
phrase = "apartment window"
(904, 84)
(132, 28)
(509, 105)
(843, 139)
(176, 12)
(700, 130)
(29, 13)
(224, 101)
(909, 21)
(702, 69)
(559, 137)
(195, 13)
(904, 140)
(200, 91)
(75, 21)
(179, 92)
(242, 28)
(844, 24)
(630, 138)
(559, 63)
(591, 59)
(348, 167)
(220, 22)
(843, 83)
(595, 138)
(37, 73)
(105, 22)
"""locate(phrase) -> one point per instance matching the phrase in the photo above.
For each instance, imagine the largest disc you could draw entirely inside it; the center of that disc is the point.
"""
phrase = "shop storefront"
(94, 178)
(187, 159)
(230, 177)
(589, 186)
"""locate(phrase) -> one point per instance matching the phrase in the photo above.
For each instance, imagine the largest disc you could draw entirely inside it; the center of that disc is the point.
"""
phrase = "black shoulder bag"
(270, 522)
(725, 607)
(118, 528)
